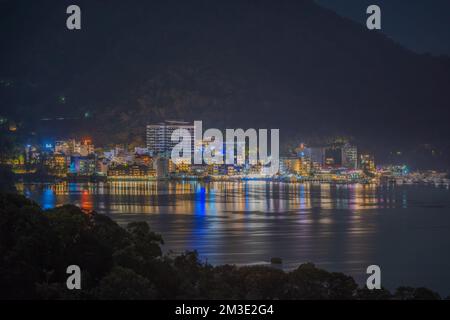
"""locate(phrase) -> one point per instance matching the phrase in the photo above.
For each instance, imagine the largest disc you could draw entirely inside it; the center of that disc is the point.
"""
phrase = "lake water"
(403, 229)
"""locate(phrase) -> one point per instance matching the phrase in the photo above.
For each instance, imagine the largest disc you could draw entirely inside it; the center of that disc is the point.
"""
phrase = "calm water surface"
(403, 229)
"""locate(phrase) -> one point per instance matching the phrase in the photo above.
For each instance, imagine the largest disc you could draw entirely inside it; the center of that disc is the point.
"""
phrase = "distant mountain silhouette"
(283, 64)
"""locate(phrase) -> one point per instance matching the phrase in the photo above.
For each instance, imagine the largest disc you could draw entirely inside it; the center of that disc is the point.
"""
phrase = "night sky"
(420, 25)
(312, 72)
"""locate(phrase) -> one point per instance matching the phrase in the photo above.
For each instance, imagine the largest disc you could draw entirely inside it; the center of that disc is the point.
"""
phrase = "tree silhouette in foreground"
(36, 246)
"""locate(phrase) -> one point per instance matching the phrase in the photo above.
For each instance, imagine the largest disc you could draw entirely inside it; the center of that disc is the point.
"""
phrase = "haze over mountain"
(283, 64)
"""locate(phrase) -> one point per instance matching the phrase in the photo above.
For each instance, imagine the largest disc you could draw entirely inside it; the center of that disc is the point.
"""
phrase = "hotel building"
(159, 136)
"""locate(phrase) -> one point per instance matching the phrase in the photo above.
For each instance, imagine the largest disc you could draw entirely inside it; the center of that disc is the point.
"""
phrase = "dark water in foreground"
(403, 229)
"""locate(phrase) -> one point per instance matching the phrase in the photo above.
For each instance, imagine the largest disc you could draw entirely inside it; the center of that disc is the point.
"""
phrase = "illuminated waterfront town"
(78, 160)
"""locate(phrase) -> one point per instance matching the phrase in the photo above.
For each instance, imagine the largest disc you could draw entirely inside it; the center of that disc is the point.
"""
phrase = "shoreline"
(54, 180)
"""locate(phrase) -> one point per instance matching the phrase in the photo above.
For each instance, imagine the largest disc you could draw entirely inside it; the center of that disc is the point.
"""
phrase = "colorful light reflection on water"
(404, 229)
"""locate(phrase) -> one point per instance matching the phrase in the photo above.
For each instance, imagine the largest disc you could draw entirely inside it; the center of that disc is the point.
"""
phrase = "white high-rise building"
(159, 136)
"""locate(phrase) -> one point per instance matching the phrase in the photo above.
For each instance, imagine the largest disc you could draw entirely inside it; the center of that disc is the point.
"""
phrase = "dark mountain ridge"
(284, 64)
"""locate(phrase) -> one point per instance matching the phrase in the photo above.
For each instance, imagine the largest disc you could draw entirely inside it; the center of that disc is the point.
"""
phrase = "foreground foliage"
(36, 247)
